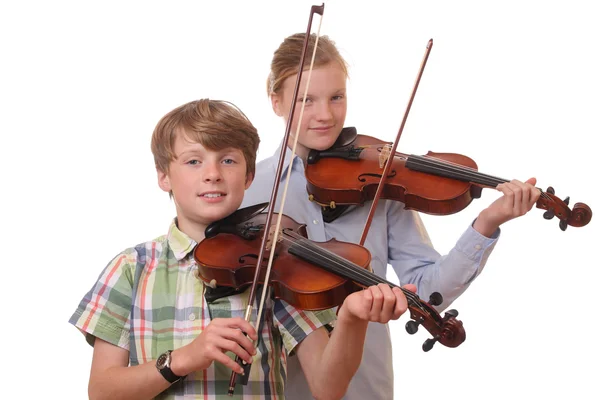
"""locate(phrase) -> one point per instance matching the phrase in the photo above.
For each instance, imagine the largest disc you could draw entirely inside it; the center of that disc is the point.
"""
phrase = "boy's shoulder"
(143, 252)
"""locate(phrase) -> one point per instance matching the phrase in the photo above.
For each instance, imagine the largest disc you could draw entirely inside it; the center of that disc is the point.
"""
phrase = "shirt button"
(315, 222)
(192, 317)
(478, 246)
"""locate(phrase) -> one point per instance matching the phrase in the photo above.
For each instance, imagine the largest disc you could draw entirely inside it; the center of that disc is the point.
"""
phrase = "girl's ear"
(276, 103)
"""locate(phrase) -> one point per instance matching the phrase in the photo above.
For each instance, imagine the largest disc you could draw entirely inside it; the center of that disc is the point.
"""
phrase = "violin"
(436, 183)
(306, 274)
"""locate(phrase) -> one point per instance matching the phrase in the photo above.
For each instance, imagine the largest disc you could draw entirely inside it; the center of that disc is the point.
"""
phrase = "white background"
(512, 84)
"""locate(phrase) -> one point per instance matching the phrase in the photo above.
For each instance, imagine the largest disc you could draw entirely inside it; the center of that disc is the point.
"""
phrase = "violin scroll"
(579, 216)
(447, 330)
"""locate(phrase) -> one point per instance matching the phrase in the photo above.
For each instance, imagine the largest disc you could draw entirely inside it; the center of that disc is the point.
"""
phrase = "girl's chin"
(322, 143)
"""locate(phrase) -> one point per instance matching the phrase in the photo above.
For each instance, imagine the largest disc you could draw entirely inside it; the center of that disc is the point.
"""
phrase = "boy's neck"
(194, 231)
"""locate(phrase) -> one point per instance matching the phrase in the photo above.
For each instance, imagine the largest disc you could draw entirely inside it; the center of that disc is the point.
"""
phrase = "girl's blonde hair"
(287, 57)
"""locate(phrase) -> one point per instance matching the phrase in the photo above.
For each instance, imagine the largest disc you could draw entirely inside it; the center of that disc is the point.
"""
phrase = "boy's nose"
(212, 173)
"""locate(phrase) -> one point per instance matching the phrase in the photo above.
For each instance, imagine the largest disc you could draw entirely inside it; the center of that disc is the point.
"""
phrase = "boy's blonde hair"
(215, 124)
(287, 57)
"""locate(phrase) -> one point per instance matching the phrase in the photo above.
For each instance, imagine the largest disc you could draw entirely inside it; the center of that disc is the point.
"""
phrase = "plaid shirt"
(149, 300)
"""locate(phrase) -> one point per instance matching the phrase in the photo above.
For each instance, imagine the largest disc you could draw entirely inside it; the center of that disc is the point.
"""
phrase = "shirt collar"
(297, 165)
(179, 242)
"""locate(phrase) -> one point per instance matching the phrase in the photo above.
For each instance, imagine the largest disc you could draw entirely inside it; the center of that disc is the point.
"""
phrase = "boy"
(155, 335)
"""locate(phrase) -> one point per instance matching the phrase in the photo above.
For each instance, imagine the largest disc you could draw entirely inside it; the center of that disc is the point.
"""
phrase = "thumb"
(410, 287)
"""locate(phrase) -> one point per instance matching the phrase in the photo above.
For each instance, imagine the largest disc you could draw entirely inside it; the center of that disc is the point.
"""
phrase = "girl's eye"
(338, 97)
(308, 100)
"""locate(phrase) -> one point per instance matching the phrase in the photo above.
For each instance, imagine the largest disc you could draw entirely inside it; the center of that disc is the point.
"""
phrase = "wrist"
(484, 225)
(178, 363)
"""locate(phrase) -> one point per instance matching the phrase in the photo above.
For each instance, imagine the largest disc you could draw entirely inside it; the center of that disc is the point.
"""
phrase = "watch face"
(162, 360)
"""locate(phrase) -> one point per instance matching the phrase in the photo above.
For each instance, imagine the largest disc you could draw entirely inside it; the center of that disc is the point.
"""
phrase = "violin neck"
(436, 166)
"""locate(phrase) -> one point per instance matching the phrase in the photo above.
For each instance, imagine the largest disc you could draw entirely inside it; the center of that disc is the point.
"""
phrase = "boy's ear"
(249, 179)
(163, 180)
(276, 103)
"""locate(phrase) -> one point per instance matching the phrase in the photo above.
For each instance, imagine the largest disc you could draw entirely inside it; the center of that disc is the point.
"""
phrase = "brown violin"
(436, 183)
(306, 274)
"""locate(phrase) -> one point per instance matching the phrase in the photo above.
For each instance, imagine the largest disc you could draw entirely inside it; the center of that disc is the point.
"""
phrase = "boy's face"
(207, 185)
(325, 109)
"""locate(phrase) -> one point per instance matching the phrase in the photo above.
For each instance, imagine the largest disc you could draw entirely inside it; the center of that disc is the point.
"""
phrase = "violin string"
(346, 267)
(287, 180)
(462, 171)
(349, 270)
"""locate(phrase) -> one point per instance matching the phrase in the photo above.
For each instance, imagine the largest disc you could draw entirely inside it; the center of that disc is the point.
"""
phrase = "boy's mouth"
(212, 195)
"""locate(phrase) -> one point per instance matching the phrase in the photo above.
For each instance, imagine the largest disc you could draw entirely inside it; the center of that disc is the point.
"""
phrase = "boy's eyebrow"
(202, 151)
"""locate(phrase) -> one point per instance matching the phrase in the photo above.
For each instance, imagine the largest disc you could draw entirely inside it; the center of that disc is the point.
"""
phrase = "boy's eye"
(228, 161)
(193, 162)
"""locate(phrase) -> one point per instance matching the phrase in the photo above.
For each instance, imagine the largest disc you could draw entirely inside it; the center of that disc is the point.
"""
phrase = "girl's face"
(324, 112)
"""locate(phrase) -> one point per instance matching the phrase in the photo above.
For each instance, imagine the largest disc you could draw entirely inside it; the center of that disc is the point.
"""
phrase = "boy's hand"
(220, 336)
(376, 303)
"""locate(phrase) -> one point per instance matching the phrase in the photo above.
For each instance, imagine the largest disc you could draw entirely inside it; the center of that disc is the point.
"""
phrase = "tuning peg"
(450, 314)
(428, 344)
(435, 299)
(549, 214)
(413, 326)
(566, 200)
(550, 190)
(563, 225)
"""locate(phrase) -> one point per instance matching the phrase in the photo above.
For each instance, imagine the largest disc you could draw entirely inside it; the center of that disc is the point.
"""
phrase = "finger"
(509, 195)
(221, 357)
(411, 287)
(517, 188)
(237, 336)
(231, 345)
(243, 325)
(389, 303)
(376, 303)
(401, 304)
(522, 194)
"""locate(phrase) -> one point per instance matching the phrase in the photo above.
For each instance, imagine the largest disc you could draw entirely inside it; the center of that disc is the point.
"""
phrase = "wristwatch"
(163, 364)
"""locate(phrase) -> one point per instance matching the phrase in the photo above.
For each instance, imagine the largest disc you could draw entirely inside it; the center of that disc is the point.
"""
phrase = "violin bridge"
(384, 155)
(270, 238)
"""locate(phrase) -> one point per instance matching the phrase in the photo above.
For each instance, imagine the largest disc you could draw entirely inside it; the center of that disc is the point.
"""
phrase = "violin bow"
(275, 231)
(388, 162)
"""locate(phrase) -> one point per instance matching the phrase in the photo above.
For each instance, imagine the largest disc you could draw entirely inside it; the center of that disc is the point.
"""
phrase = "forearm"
(131, 383)
(340, 359)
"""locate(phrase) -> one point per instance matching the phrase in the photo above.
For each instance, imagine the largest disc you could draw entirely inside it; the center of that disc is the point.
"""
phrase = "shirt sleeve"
(295, 325)
(104, 312)
(413, 258)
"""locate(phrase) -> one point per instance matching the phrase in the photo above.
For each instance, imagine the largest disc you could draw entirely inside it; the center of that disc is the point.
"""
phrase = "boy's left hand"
(377, 303)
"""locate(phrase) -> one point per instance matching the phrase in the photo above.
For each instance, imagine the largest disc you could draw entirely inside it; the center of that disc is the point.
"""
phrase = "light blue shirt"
(396, 237)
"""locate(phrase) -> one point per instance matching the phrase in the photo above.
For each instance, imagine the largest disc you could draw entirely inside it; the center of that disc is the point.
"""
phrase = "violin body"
(436, 183)
(335, 180)
(296, 281)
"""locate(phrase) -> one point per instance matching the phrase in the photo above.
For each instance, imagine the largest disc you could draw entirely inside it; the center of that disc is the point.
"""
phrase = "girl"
(397, 236)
